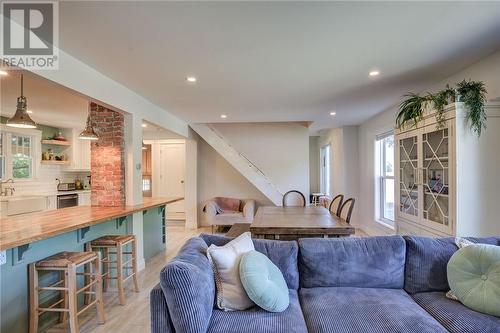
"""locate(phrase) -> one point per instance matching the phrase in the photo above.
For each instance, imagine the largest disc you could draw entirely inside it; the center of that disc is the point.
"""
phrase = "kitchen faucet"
(5, 192)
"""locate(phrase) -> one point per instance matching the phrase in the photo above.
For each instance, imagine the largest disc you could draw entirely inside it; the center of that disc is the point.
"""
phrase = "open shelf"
(56, 142)
(54, 162)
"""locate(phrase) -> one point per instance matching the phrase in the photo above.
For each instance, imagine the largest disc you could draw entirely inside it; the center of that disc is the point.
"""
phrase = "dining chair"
(346, 210)
(335, 204)
(294, 198)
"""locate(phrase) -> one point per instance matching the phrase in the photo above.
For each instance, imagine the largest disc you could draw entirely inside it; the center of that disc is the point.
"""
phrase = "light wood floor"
(134, 317)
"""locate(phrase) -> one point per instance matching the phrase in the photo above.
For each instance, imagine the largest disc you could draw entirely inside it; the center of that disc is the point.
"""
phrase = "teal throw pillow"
(263, 282)
(474, 277)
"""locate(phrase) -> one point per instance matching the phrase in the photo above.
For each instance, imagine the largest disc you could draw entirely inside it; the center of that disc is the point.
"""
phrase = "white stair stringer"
(240, 162)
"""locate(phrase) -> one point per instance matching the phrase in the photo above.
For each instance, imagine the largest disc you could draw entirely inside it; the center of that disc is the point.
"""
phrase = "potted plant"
(471, 93)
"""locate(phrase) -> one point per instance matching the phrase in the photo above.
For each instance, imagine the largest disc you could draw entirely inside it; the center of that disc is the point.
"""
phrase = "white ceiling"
(280, 61)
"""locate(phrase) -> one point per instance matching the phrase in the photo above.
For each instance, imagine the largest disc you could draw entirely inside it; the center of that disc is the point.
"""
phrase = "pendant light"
(88, 133)
(21, 118)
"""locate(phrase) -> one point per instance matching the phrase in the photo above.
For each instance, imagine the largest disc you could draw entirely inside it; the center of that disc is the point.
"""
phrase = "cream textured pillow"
(225, 262)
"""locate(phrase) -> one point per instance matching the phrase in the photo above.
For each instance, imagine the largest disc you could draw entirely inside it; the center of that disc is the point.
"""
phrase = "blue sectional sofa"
(375, 284)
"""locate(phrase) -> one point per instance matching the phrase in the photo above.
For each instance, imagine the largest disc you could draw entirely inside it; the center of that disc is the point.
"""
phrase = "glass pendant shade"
(21, 118)
(88, 133)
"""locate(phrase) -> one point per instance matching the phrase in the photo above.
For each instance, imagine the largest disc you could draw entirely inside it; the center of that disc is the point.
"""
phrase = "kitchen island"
(32, 237)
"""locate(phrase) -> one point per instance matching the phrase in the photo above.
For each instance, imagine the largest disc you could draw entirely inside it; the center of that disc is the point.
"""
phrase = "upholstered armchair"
(217, 215)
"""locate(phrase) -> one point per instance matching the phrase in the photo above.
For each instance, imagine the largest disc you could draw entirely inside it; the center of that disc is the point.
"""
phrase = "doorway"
(171, 176)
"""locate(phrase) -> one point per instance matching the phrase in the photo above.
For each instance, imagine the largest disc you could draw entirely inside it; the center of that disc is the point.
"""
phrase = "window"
(385, 151)
(324, 155)
(146, 184)
(22, 159)
(18, 151)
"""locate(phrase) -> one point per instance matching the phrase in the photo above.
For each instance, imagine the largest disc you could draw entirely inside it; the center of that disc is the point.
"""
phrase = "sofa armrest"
(160, 319)
(189, 287)
(248, 209)
(210, 211)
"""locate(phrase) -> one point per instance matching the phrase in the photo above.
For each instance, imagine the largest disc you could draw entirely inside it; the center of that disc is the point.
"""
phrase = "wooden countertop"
(29, 228)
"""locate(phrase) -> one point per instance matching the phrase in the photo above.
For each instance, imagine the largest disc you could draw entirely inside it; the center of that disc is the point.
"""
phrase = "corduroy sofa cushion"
(375, 262)
(427, 259)
(456, 317)
(370, 310)
(258, 320)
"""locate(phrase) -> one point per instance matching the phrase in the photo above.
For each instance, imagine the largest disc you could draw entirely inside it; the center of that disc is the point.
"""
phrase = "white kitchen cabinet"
(51, 202)
(84, 198)
(80, 152)
(447, 179)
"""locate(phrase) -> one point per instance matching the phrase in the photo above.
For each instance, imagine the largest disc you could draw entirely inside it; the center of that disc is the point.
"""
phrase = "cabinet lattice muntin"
(408, 172)
(436, 176)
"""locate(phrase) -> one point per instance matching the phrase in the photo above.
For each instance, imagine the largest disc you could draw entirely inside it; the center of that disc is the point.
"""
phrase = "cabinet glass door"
(408, 185)
(436, 186)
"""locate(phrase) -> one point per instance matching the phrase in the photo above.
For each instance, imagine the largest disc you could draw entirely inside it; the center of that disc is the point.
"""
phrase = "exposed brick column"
(108, 158)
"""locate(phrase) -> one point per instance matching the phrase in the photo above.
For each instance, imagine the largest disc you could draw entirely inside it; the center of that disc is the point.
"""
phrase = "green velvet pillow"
(263, 282)
(474, 277)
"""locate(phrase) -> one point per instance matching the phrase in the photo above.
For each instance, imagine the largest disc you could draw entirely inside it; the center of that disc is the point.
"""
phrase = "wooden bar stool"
(67, 264)
(114, 244)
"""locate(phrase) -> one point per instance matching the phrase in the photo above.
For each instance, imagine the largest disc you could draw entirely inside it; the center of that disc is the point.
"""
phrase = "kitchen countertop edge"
(11, 238)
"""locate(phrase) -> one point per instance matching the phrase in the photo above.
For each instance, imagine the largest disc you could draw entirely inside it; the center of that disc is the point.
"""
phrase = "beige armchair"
(215, 217)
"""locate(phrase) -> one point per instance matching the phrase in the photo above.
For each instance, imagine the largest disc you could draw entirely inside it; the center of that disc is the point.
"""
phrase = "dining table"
(292, 223)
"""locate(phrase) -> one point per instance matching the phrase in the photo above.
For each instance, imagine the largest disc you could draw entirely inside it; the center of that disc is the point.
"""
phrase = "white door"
(172, 173)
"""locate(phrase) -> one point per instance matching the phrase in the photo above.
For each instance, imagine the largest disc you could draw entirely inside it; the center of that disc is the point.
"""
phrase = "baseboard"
(376, 229)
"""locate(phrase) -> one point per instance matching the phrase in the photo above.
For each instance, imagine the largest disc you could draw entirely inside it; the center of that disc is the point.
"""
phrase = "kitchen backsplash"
(46, 182)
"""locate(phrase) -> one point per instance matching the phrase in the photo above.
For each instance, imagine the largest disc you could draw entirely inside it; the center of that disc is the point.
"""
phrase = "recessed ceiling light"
(3, 73)
(191, 79)
(223, 116)
(333, 113)
(29, 111)
(374, 73)
(144, 125)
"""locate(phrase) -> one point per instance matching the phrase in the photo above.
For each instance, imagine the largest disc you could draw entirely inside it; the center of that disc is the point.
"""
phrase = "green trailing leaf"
(411, 109)
(473, 94)
(440, 100)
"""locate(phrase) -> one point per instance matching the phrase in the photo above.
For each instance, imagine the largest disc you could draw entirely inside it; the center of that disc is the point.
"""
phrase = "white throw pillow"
(225, 262)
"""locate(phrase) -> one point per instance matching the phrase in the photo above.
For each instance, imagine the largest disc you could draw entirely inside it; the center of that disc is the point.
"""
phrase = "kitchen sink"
(22, 204)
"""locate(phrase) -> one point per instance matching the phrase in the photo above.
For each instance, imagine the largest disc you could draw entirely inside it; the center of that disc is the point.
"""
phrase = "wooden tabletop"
(29, 228)
(309, 220)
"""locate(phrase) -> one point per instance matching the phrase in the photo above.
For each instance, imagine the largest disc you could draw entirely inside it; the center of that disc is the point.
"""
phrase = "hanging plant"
(472, 93)
(440, 100)
(411, 110)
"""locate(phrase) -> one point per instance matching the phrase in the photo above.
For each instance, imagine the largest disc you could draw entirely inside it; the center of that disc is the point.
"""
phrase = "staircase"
(240, 162)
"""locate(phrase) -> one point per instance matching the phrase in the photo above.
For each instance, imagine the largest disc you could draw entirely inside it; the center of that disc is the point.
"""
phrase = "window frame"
(324, 169)
(382, 177)
(35, 142)
(3, 168)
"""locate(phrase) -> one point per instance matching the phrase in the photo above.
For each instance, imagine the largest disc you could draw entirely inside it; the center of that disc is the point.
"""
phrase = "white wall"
(343, 162)
(487, 70)
(281, 151)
